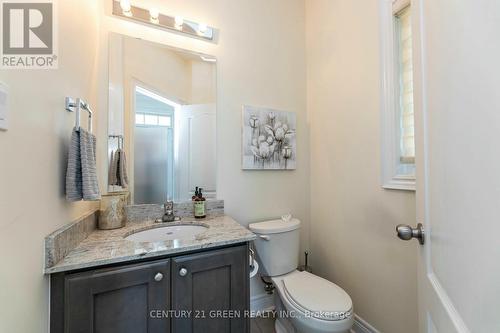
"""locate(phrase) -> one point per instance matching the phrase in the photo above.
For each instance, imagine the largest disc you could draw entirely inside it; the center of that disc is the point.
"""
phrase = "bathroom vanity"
(109, 283)
(176, 294)
(147, 277)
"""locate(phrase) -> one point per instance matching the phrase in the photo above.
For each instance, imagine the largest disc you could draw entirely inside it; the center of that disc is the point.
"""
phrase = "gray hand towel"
(116, 167)
(74, 191)
(123, 170)
(81, 174)
(112, 169)
(90, 184)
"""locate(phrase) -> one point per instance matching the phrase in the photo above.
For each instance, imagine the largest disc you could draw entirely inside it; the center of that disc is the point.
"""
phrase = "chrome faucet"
(169, 212)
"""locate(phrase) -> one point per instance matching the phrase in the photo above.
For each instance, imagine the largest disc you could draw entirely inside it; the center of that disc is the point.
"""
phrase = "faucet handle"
(169, 212)
(169, 205)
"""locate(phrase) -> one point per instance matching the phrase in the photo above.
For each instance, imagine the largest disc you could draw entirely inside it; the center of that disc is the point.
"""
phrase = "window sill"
(402, 184)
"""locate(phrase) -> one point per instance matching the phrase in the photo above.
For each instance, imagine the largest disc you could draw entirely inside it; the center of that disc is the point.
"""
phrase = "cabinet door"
(208, 289)
(131, 299)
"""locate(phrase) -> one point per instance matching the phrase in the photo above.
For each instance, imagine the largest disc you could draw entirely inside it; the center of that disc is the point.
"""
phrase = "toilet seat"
(316, 297)
(305, 316)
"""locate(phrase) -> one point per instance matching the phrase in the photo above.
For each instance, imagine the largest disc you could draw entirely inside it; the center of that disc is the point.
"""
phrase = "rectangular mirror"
(162, 121)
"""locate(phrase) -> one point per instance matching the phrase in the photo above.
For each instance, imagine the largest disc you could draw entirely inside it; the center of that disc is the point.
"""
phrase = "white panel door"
(196, 161)
(457, 61)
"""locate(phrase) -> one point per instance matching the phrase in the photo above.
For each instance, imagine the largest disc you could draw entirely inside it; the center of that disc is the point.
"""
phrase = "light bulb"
(202, 28)
(179, 22)
(126, 7)
(155, 14)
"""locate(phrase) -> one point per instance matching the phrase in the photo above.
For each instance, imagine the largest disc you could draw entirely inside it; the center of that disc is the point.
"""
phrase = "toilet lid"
(317, 297)
(274, 226)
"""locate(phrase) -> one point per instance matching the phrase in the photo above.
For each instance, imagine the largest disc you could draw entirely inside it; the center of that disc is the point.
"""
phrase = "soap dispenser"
(199, 205)
(195, 194)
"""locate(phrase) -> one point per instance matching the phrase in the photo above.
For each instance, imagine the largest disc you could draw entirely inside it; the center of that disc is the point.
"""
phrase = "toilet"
(305, 303)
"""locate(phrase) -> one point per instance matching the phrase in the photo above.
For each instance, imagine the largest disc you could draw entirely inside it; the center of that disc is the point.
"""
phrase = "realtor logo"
(28, 35)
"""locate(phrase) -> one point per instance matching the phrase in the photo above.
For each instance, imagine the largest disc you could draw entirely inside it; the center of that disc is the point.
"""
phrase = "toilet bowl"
(305, 303)
(312, 304)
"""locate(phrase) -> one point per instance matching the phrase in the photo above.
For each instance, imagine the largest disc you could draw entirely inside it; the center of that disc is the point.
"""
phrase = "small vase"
(112, 211)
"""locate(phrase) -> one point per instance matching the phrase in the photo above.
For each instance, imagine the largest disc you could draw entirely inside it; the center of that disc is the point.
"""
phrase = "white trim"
(261, 303)
(362, 326)
(446, 302)
(390, 177)
(399, 5)
(405, 183)
(140, 88)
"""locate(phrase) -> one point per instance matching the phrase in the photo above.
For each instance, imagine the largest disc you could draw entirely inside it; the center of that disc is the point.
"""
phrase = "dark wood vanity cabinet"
(118, 300)
(213, 288)
(202, 292)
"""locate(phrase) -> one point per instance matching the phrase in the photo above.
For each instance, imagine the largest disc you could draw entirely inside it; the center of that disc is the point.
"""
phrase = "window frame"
(157, 115)
(395, 174)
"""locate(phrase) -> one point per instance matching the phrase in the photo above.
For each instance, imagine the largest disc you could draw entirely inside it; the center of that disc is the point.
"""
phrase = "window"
(405, 77)
(145, 119)
(398, 133)
(139, 118)
(164, 121)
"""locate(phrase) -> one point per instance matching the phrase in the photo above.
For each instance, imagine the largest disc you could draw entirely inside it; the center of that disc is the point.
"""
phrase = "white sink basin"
(174, 232)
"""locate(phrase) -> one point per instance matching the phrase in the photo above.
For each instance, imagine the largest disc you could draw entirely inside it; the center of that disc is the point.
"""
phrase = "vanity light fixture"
(179, 22)
(202, 28)
(155, 14)
(153, 17)
(126, 8)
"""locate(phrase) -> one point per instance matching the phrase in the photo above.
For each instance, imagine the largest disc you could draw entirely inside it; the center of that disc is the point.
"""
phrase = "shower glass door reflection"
(153, 148)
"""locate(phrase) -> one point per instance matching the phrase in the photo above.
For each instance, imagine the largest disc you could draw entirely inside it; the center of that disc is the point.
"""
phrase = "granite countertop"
(103, 247)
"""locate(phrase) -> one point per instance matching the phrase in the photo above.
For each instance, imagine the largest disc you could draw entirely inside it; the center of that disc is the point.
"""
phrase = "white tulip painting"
(269, 141)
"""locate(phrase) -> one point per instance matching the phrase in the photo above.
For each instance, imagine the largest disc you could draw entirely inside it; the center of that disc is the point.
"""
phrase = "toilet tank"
(277, 245)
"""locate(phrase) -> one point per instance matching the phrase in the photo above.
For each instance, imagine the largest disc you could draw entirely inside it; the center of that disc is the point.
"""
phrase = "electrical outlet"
(3, 107)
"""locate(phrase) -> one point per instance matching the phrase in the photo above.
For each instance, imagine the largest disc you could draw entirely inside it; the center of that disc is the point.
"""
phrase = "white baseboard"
(261, 303)
(362, 326)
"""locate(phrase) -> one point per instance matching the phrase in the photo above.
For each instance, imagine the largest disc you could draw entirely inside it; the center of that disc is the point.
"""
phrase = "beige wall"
(33, 163)
(159, 68)
(353, 241)
(203, 82)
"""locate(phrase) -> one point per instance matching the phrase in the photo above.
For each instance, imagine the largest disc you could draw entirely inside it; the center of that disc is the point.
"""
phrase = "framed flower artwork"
(269, 139)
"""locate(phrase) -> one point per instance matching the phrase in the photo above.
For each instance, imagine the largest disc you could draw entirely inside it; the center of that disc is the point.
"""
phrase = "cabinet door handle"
(183, 272)
(158, 277)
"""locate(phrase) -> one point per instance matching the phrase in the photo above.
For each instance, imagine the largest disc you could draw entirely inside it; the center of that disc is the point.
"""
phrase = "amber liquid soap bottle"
(199, 205)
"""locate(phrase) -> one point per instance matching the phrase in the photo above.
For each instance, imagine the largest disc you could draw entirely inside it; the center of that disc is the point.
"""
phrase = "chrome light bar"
(152, 17)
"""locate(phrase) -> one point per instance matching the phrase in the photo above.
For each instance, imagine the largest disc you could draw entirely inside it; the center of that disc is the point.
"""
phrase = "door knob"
(405, 232)
(183, 272)
(158, 277)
